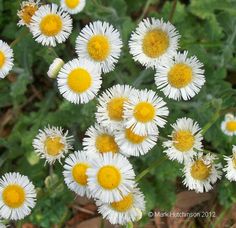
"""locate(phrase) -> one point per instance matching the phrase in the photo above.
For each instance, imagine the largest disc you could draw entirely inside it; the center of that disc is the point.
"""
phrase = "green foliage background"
(29, 100)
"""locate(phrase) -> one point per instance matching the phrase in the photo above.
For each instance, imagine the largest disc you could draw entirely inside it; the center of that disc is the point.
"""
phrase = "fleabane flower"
(185, 140)
(230, 167)
(132, 144)
(100, 43)
(201, 173)
(180, 77)
(110, 177)
(110, 107)
(17, 196)
(125, 210)
(228, 126)
(27, 11)
(100, 140)
(6, 59)
(55, 67)
(144, 112)
(52, 143)
(75, 168)
(73, 6)
(50, 25)
(153, 41)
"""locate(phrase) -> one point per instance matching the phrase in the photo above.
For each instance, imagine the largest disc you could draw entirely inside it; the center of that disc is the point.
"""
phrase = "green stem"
(172, 12)
(102, 223)
(148, 2)
(211, 122)
(23, 34)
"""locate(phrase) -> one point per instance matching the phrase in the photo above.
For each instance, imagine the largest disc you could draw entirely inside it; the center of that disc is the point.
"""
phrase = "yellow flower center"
(144, 112)
(115, 108)
(28, 12)
(98, 47)
(134, 138)
(183, 140)
(180, 75)
(51, 25)
(123, 205)
(155, 43)
(54, 146)
(200, 171)
(79, 80)
(109, 177)
(106, 143)
(72, 3)
(13, 196)
(231, 125)
(2, 59)
(79, 173)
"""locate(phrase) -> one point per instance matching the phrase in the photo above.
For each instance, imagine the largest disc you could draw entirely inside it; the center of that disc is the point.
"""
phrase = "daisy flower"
(144, 112)
(73, 6)
(50, 25)
(228, 126)
(230, 168)
(75, 169)
(132, 144)
(111, 106)
(153, 41)
(180, 77)
(110, 177)
(125, 210)
(79, 81)
(17, 196)
(100, 140)
(201, 173)
(27, 11)
(100, 43)
(185, 140)
(55, 67)
(52, 143)
(6, 59)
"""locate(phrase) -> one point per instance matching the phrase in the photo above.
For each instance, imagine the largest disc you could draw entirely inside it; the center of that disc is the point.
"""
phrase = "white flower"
(144, 112)
(201, 173)
(73, 6)
(6, 59)
(153, 41)
(17, 196)
(52, 144)
(228, 126)
(180, 77)
(131, 144)
(111, 106)
(75, 169)
(55, 67)
(230, 168)
(79, 81)
(100, 43)
(124, 211)
(50, 25)
(99, 140)
(110, 177)
(185, 140)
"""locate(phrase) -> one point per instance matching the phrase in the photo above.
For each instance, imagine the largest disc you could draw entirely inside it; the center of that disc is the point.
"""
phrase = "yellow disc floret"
(231, 125)
(13, 196)
(51, 25)
(123, 205)
(115, 108)
(200, 170)
(144, 112)
(155, 43)
(109, 177)
(183, 140)
(180, 75)
(2, 59)
(27, 12)
(53, 145)
(79, 80)
(98, 47)
(106, 143)
(79, 173)
(72, 3)
(134, 138)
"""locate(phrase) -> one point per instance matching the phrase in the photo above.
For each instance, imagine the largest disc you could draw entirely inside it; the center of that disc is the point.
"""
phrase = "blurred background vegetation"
(29, 100)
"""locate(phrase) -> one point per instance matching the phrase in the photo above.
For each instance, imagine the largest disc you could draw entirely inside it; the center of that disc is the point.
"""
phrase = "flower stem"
(172, 12)
(211, 122)
(148, 2)
(23, 34)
